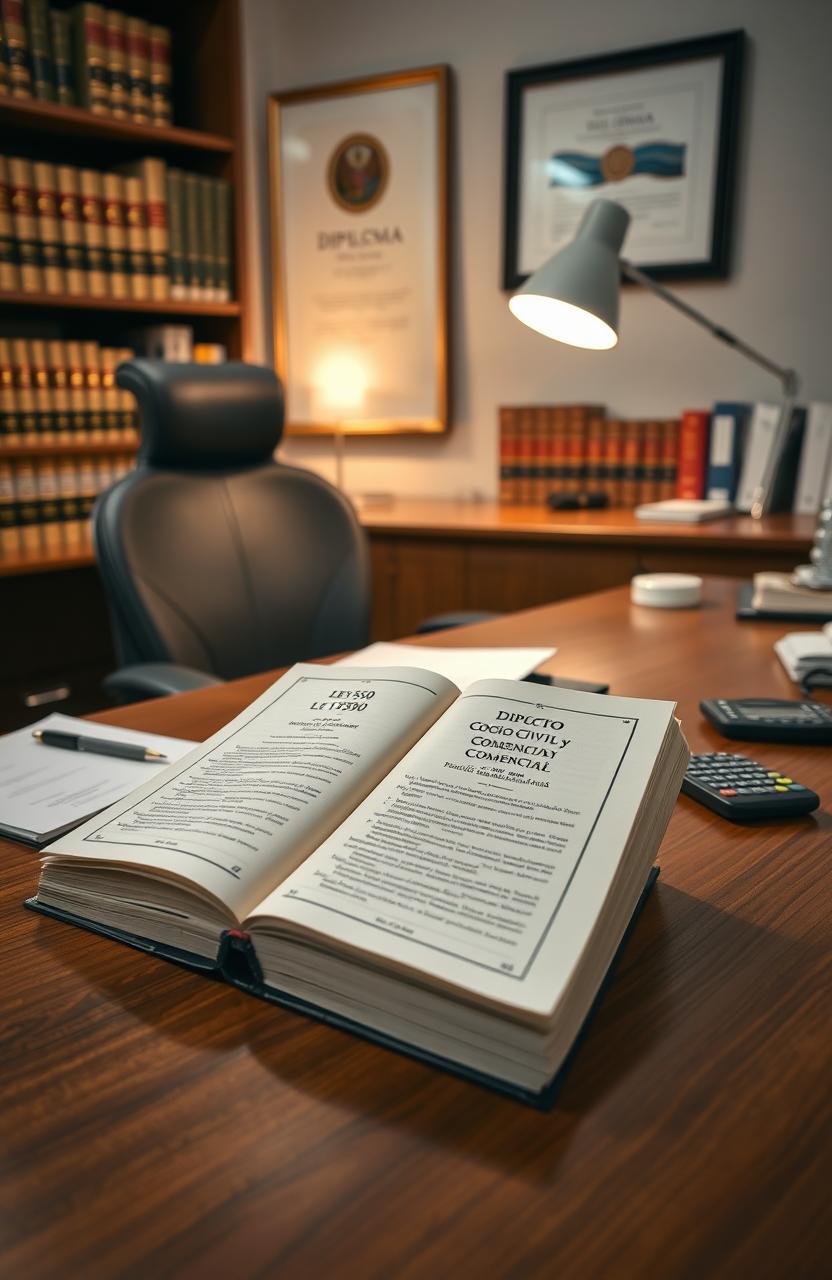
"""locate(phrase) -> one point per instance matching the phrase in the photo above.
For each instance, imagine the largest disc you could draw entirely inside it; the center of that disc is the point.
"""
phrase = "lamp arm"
(788, 377)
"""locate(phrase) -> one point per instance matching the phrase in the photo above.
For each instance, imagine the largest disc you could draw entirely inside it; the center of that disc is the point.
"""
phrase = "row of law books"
(726, 453)
(144, 231)
(546, 449)
(45, 503)
(54, 392)
(88, 56)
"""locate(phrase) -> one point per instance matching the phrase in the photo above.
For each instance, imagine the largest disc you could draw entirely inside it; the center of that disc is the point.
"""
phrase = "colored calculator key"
(743, 790)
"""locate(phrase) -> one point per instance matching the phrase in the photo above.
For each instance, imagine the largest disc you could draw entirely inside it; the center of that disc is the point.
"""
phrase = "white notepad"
(46, 791)
(463, 666)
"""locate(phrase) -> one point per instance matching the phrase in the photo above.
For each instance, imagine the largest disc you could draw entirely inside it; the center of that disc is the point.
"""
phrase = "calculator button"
(727, 791)
(781, 788)
(795, 786)
(785, 781)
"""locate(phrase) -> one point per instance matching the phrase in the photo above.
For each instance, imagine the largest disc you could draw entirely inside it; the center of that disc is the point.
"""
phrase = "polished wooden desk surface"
(432, 517)
(158, 1124)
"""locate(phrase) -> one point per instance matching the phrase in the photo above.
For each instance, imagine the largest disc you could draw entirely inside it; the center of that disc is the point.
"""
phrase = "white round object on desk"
(666, 590)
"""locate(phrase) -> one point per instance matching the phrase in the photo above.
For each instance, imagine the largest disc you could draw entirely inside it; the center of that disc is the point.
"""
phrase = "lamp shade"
(574, 296)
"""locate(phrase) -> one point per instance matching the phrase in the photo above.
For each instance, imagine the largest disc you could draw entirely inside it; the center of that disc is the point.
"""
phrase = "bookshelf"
(206, 138)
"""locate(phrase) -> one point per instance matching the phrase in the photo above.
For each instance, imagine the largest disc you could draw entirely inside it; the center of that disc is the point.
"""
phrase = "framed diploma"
(359, 208)
(654, 129)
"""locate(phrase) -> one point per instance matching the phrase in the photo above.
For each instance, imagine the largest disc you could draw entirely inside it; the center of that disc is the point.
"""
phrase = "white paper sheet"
(46, 790)
(463, 666)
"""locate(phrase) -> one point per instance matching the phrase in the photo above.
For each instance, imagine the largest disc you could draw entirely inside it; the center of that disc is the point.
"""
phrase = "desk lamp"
(574, 298)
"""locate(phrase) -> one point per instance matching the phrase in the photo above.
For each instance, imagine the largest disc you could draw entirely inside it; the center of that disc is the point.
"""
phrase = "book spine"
(24, 220)
(693, 454)
(4, 64)
(137, 252)
(815, 460)
(115, 230)
(77, 397)
(9, 417)
(92, 217)
(91, 58)
(16, 49)
(128, 407)
(109, 394)
(74, 254)
(156, 205)
(138, 68)
(579, 425)
(40, 48)
(208, 239)
(595, 452)
(527, 458)
(56, 364)
(161, 111)
(225, 257)
(118, 80)
(49, 506)
(547, 447)
(24, 393)
(49, 227)
(505, 489)
(69, 503)
(651, 463)
(9, 270)
(724, 453)
(45, 421)
(615, 460)
(176, 216)
(785, 476)
(87, 493)
(28, 514)
(92, 392)
(60, 26)
(190, 185)
(669, 458)
(9, 528)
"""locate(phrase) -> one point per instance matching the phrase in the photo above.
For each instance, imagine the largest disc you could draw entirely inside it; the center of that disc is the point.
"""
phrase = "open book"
(450, 873)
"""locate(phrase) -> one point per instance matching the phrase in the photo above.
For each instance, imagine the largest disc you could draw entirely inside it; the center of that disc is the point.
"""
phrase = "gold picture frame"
(359, 232)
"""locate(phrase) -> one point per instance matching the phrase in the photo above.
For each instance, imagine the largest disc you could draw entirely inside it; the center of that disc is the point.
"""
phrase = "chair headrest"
(204, 416)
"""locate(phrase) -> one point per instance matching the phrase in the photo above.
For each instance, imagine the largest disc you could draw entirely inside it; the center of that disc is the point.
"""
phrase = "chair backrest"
(212, 554)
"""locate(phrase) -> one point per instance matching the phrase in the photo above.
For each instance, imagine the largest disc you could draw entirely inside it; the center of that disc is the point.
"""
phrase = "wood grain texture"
(433, 556)
(158, 1124)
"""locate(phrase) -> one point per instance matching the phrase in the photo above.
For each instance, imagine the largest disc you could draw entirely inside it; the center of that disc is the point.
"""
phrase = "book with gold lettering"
(448, 872)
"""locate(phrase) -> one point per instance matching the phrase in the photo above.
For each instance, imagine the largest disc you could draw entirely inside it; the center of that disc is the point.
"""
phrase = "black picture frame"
(729, 48)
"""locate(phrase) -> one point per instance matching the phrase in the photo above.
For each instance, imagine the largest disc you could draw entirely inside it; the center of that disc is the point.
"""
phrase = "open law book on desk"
(450, 874)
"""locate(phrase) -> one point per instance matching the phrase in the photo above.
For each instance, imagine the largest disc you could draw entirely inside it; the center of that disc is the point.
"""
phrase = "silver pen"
(95, 746)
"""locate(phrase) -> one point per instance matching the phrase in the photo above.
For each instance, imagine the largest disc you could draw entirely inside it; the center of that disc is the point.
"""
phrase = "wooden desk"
(158, 1124)
(433, 556)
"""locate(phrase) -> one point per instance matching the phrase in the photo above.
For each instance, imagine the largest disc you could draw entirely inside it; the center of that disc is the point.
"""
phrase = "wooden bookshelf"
(206, 137)
(24, 114)
(71, 449)
(169, 307)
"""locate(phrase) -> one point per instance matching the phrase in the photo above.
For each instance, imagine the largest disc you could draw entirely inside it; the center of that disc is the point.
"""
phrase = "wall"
(778, 294)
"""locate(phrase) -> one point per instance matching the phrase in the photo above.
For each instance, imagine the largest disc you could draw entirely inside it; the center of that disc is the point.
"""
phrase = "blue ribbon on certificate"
(579, 169)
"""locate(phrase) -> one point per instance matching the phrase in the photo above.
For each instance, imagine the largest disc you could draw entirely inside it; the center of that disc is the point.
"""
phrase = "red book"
(694, 433)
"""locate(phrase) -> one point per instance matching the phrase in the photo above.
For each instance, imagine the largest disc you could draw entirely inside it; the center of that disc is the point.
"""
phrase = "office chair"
(216, 560)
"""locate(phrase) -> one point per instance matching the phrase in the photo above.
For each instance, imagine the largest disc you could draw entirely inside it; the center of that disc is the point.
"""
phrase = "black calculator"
(743, 790)
(770, 720)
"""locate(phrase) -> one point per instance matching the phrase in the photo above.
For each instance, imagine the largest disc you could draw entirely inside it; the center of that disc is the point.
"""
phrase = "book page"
(470, 860)
(239, 812)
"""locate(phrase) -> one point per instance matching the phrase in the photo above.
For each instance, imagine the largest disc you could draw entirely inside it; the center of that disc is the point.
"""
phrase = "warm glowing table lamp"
(574, 298)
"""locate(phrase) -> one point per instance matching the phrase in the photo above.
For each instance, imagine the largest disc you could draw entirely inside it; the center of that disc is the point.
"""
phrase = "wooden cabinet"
(433, 557)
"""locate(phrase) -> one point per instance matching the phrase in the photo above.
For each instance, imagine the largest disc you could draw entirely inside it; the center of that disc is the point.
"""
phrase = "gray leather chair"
(216, 560)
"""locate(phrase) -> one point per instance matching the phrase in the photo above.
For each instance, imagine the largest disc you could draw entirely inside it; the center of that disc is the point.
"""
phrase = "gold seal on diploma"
(617, 163)
(357, 173)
